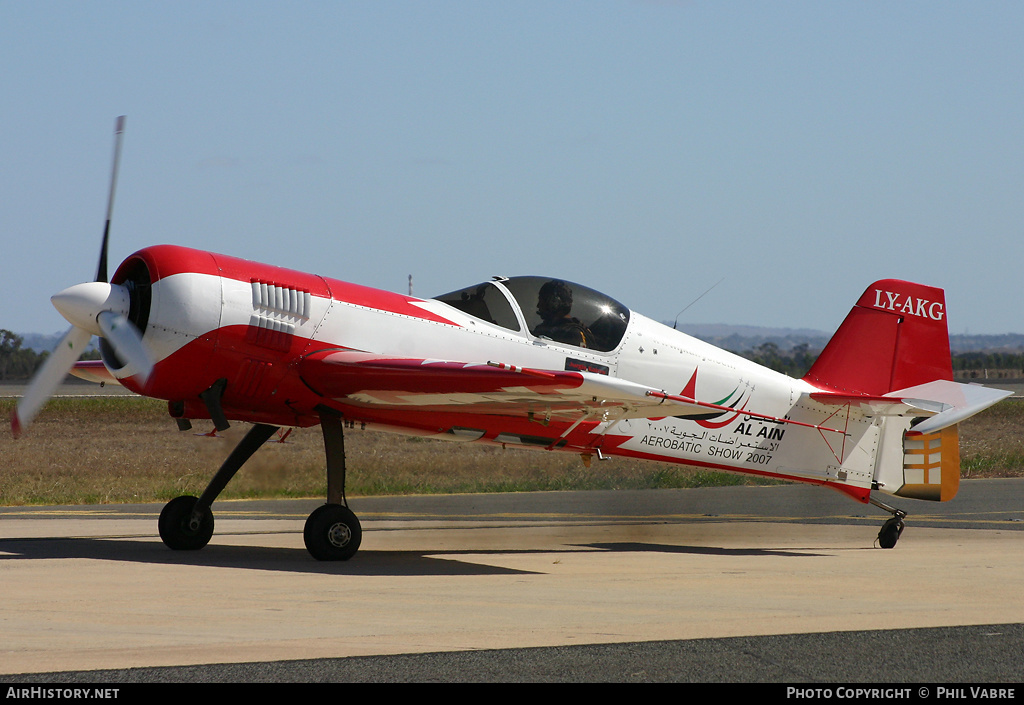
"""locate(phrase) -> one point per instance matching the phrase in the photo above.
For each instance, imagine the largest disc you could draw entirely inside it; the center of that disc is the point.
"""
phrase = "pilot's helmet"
(554, 299)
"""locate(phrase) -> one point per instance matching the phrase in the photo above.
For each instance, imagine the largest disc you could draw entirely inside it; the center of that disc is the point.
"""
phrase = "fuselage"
(207, 318)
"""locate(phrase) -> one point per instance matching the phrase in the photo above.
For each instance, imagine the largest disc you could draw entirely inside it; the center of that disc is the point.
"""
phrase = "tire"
(175, 530)
(332, 533)
(890, 533)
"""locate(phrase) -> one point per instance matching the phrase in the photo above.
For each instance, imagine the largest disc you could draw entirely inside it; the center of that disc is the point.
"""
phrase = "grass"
(992, 443)
(126, 449)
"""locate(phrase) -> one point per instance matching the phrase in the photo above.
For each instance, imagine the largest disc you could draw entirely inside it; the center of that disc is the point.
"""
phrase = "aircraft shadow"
(297, 560)
(294, 560)
(634, 547)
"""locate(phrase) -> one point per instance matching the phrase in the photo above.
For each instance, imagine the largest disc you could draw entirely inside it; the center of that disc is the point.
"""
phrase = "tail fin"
(891, 358)
(895, 337)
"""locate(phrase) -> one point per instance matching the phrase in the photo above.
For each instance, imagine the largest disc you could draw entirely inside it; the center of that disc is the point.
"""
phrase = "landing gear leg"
(186, 523)
(892, 528)
(333, 532)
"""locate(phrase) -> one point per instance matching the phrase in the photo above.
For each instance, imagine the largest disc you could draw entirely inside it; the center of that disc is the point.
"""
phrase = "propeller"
(93, 308)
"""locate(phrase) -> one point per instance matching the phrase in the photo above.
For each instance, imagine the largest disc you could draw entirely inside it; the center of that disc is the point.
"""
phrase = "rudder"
(931, 465)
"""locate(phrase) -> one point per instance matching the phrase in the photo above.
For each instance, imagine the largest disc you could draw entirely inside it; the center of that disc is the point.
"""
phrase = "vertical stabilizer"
(895, 337)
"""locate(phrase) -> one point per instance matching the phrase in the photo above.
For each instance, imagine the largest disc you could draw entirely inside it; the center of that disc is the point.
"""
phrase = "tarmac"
(89, 588)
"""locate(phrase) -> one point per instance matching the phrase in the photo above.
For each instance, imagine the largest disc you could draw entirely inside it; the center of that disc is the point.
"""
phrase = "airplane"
(525, 361)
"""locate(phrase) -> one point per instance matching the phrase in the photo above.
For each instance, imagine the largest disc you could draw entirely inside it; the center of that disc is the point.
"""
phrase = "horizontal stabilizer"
(943, 402)
(961, 401)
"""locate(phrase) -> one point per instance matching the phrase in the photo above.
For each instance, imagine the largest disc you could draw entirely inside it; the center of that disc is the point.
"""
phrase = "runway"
(443, 579)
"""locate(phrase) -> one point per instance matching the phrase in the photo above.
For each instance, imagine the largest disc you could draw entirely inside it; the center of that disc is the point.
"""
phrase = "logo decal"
(736, 399)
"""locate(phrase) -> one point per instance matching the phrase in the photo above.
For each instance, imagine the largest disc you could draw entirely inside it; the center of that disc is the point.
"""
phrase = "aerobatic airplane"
(523, 361)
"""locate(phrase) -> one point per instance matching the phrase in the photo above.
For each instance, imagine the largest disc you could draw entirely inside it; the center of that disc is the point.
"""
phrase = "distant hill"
(742, 338)
(45, 343)
(1008, 342)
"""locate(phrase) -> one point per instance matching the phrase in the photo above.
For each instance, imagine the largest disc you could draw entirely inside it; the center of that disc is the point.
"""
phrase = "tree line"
(798, 360)
(19, 363)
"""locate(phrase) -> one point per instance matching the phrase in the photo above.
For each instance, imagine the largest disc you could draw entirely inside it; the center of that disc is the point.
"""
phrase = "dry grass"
(992, 443)
(126, 449)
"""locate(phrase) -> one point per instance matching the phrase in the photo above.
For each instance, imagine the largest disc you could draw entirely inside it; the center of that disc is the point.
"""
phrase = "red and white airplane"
(528, 361)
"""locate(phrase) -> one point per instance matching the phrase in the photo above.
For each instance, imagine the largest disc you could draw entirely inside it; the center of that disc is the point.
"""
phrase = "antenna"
(695, 301)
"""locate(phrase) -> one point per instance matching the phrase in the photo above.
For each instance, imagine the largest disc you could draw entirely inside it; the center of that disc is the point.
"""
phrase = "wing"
(363, 379)
(93, 371)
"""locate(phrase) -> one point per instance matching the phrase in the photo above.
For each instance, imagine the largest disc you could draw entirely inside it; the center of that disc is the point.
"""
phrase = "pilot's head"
(554, 300)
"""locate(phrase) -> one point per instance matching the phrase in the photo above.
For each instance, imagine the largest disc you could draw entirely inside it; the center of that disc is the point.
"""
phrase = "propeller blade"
(124, 337)
(48, 378)
(101, 270)
(92, 308)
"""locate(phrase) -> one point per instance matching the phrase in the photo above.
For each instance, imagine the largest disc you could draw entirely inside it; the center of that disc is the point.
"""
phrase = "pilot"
(554, 302)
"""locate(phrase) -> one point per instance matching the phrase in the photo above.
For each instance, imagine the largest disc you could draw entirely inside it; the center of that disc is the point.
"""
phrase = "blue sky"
(796, 151)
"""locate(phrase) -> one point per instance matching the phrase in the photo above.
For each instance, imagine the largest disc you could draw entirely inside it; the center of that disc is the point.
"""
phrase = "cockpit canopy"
(551, 309)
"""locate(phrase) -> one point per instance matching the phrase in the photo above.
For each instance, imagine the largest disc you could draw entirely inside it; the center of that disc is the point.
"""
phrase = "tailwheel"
(180, 530)
(890, 532)
(332, 533)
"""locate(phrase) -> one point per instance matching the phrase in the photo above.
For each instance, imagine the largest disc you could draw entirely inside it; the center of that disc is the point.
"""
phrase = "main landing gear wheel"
(332, 533)
(178, 529)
